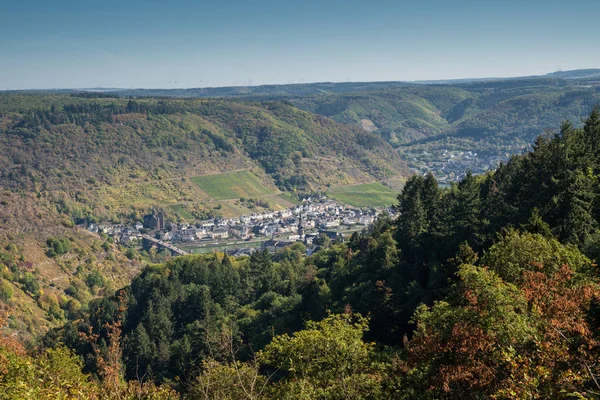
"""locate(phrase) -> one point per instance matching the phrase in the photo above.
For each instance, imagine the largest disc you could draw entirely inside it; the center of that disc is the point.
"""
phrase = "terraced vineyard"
(232, 185)
(365, 195)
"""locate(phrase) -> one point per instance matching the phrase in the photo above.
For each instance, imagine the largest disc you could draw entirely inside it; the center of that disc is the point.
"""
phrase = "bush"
(30, 284)
(6, 290)
(131, 253)
(95, 278)
(57, 247)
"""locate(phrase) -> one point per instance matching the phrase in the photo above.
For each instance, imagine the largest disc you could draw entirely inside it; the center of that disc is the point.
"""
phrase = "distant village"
(306, 222)
(452, 165)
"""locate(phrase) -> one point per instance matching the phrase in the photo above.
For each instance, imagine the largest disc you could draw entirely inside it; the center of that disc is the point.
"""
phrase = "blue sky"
(180, 43)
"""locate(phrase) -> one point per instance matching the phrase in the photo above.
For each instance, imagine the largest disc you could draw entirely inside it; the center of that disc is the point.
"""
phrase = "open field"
(180, 209)
(365, 195)
(232, 185)
(288, 198)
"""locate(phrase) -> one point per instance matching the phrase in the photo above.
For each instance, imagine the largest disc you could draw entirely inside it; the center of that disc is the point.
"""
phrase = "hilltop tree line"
(94, 113)
(488, 289)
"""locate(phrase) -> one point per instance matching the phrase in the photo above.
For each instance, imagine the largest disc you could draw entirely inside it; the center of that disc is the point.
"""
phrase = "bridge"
(170, 247)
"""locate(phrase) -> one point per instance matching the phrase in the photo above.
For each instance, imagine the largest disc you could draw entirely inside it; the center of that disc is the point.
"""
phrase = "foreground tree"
(532, 337)
(327, 360)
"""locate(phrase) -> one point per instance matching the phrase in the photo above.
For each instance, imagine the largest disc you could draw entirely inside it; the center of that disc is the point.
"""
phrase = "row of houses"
(302, 222)
(290, 224)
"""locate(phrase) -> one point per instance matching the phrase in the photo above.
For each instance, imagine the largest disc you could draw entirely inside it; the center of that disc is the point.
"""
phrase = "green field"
(365, 195)
(232, 185)
(180, 209)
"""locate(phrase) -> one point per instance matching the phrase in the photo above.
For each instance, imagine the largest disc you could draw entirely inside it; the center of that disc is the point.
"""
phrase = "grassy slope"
(232, 185)
(364, 195)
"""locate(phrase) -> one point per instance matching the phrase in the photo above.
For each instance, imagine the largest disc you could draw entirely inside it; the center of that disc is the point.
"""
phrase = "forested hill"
(67, 161)
(491, 117)
(486, 289)
(479, 111)
(501, 110)
(80, 145)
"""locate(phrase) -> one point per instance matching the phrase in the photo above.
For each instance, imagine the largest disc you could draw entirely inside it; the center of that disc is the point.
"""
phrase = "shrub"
(6, 290)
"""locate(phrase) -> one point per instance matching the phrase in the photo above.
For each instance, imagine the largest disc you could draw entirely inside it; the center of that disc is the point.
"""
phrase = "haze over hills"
(428, 121)
(316, 87)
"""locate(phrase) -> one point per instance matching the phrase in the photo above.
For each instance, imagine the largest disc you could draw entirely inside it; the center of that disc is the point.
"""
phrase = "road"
(166, 245)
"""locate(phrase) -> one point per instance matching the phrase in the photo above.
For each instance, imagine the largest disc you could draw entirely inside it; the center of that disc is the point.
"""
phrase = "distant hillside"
(259, 91)
(576, 74)
(108, 155)
(522, 109)
(307, 89)
(518, 108)
(399, 115)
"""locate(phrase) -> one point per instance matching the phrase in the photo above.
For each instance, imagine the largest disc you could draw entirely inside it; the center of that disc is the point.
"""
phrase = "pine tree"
(592, 132)
(412, 218)
(574, 221)
(467, 206)
(139, 352)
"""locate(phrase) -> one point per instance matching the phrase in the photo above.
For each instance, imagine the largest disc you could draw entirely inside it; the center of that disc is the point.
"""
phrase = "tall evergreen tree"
(468, 223)
(574, 221)
(412, 218)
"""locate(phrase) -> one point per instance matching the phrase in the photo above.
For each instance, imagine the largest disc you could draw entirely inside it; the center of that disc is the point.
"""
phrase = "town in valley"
(315, 220)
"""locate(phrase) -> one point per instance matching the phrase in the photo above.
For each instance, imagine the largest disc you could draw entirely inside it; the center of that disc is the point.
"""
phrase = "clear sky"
(181, 43)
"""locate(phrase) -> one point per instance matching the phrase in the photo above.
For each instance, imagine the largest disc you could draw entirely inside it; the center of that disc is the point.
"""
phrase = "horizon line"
(440, 81)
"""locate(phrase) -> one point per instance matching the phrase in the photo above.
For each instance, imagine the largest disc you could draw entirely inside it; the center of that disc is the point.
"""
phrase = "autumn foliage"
(500, 340)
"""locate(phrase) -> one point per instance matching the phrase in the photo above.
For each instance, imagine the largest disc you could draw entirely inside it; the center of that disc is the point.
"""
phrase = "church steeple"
(300, 227)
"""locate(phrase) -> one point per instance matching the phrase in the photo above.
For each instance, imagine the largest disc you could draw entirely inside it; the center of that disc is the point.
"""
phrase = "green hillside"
(365, 195)
(409, 113)
(232, 185)
(516, 109)
(400, 115)
(106, 157)
(491, 116)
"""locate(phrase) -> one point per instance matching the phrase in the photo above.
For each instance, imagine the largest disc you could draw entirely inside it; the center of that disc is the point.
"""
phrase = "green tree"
(6, 290)
(412, 219)
(327, 360)
(515, 253)
(467, 221)
(574, 213)
(322, 240)
(229, 381)
(263, 271)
